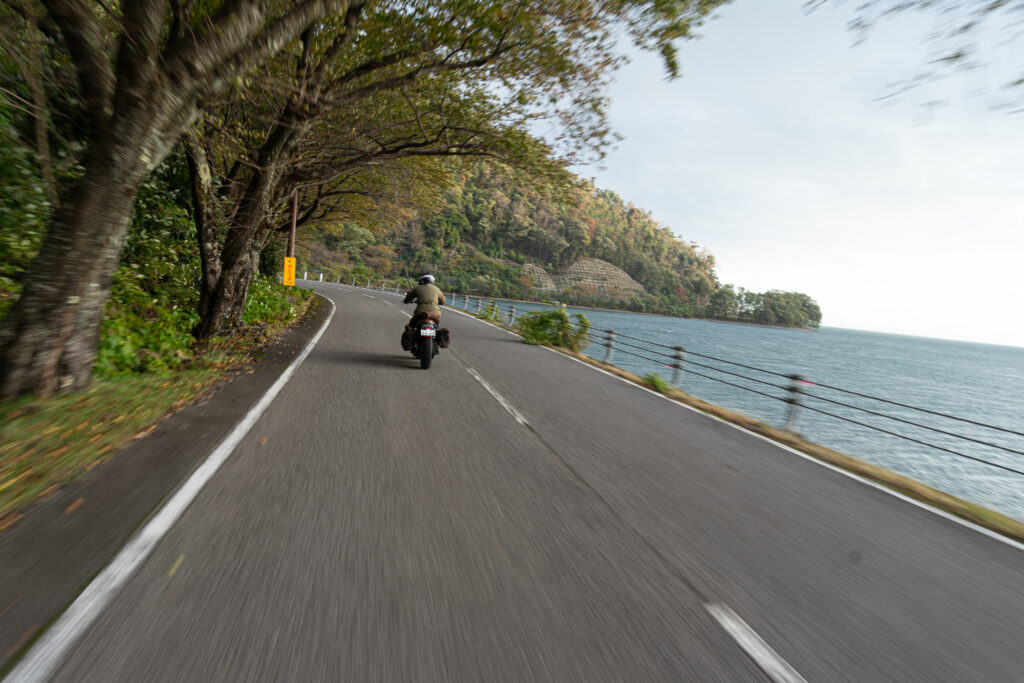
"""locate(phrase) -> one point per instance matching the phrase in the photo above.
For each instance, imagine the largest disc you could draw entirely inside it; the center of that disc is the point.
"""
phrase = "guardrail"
(797, 390)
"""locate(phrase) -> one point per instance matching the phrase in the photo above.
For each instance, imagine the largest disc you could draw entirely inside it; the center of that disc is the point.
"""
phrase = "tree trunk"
(201, 182)
(226, 303)
(50, 337)
(221, 305)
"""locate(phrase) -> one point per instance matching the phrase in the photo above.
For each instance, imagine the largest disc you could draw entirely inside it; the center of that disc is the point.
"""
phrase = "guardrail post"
(339, 280)
(610, 345)
(479, 304)
(794, 402)
(305, 275)
(321, 277)
(512, 316)
(677, 367)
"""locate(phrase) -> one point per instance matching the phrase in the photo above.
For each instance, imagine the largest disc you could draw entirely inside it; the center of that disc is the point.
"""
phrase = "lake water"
(978, 382)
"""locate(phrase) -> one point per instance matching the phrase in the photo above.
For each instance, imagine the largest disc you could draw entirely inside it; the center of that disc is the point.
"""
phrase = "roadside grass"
(46, 444)
(49, 443)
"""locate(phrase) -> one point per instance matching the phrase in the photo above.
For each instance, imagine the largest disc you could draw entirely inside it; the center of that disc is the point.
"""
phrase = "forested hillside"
(494, 222)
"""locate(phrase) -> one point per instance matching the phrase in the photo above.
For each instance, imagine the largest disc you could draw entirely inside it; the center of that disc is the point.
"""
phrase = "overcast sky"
(775, 153)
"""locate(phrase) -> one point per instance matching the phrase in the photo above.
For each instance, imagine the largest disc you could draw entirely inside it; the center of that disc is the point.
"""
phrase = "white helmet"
(426, 278)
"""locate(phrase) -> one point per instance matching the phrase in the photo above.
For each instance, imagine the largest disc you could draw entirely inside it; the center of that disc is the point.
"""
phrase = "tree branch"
(87, 44)
(142, 25)
(242, 38)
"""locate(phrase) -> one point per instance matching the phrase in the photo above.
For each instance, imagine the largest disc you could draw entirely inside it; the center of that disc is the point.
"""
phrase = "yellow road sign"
(289, 271)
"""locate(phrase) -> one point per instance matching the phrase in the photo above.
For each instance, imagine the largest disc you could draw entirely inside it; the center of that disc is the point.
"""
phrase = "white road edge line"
(846, 473)
(47, 654)
(773, 665)
(501, 399)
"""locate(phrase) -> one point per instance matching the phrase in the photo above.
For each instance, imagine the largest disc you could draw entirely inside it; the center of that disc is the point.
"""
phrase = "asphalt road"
(511, 514)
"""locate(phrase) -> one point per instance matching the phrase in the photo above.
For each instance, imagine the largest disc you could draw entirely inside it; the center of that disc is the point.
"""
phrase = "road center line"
(48, 653)
(501, 399)
(775, 666)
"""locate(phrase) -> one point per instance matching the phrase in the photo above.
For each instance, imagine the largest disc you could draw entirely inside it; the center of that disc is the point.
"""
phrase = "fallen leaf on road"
(175, 566)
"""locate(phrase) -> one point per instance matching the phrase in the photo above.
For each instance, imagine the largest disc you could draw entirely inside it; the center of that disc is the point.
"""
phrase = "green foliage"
(143, 331)
(271, 303)
(656, 382)
(774, 307)
(554, 327)
(24, 211)
(151, 312)
(272, 258)
(152, 306)
(491, 312)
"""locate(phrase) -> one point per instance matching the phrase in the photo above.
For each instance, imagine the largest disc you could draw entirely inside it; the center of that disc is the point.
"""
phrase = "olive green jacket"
(428, 298)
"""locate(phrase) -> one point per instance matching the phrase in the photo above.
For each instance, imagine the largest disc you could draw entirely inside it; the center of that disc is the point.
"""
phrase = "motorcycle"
(426, 340)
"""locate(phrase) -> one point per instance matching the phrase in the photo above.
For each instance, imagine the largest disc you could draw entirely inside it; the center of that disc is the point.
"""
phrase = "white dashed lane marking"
(770, 662)
(501, 399)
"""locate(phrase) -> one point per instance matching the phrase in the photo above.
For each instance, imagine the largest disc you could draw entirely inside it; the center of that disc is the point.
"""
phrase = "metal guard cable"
(918, 441)
(840, 389)
(864, 424)
(915, 424)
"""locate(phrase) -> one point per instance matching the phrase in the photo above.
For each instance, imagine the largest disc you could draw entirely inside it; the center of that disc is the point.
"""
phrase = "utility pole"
(295, 218)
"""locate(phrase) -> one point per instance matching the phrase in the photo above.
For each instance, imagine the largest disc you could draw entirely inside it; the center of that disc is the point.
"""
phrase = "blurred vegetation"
(656, 382)
(554, 327)
(152, 307)
(24, 210)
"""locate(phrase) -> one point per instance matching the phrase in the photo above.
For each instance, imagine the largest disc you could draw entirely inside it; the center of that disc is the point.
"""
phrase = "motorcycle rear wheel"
(426, 352)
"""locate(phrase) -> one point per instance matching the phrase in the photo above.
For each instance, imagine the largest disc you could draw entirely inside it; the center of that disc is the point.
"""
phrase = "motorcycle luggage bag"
(444, 337)
(407, 339)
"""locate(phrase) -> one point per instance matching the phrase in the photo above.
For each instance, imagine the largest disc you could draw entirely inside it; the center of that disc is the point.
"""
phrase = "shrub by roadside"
(555, 327)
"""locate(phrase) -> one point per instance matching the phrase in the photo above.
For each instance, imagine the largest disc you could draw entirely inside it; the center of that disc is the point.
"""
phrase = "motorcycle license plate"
(426, 332)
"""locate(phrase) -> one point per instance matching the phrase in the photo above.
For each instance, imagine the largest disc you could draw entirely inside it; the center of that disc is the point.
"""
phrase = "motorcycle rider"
(429, 299)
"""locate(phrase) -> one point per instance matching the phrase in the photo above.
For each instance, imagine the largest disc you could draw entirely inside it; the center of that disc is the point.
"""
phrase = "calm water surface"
(975, 381)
